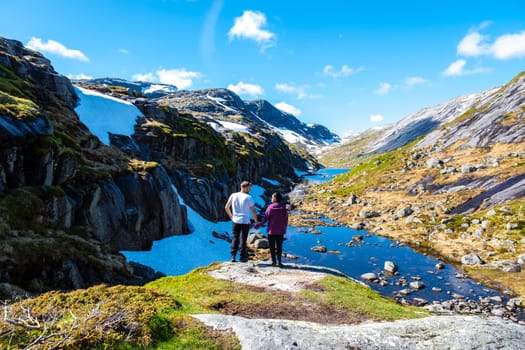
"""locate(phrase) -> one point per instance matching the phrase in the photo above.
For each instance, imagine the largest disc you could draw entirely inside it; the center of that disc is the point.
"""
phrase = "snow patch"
(104, 114)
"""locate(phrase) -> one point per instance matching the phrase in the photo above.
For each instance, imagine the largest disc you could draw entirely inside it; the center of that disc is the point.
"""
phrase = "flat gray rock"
(435, 332)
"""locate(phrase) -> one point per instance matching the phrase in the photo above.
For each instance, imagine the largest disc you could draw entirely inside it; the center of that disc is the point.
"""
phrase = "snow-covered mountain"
(224, 102)
(478, 119)
(291, 128)
(150, 90)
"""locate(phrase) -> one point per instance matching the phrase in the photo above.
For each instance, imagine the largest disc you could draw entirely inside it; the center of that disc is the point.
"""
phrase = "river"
(355, 257)
(178, 255)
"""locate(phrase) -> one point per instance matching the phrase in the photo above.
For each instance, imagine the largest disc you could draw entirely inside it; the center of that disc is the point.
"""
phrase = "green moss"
(18, 107)
(135, 165)
(66, 141)
(119, 317)
(11, 84)
(362, 300)
(511, 82)
(22, 207)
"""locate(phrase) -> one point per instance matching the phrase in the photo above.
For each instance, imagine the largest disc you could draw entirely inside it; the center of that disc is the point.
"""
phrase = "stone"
(417, 285)
(390, 267)
(471, 259)
(319, 249)
(369, 276)
(262, 243)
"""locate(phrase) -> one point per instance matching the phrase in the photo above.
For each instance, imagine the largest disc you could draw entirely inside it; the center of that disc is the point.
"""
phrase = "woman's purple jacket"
(276, 215)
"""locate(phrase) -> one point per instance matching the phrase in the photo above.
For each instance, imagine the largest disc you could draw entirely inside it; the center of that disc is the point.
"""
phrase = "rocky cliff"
(68, 202)
(209, 141)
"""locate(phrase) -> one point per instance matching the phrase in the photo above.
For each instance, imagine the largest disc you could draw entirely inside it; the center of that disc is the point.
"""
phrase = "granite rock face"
(57, 179)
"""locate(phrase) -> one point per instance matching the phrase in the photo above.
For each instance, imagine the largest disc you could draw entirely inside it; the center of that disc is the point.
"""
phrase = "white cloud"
(509, 46)
(242, 88)
(471, 45)
(283, 87)
(285, 107)
(149, 77)
(345, 71)
(79, 76)
(412, 81)
(56, 48)
(250, 26)
(298, 91)
(124, 51)
(376, 118)
(179, 77)
(505, 47)
(457, 68)
(383, 89)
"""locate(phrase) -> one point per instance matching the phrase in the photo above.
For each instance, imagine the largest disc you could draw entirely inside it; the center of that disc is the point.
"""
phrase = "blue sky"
(344, 64)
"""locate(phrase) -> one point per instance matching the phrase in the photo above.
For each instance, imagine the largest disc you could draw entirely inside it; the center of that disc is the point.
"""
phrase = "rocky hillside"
(308, 136)
(209, 142)
(481, 119)
(449, 179)
(68, 202)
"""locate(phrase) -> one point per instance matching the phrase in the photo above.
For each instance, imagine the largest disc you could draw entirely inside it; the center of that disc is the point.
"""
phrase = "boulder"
(471, 259)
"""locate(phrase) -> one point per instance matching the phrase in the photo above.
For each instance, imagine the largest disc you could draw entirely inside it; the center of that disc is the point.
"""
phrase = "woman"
(276, 215)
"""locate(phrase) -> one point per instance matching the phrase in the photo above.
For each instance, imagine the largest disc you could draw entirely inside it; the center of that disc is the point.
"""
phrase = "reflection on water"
(370, 255)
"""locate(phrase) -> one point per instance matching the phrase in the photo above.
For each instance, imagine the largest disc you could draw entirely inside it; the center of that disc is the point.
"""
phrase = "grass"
(362, 300)
(199, 293)
(158, 315)
(372, 173)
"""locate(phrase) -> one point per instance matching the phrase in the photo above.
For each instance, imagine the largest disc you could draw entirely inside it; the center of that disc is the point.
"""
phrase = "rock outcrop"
(434, 332)
(57, 179)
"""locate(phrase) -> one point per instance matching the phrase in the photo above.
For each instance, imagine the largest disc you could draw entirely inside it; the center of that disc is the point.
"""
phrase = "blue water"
(370, 254)
(180, 254)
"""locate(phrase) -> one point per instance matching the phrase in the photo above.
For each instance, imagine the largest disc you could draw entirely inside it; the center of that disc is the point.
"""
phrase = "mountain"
(89, 169)
(474, 120)
(285, 124)
(292, 129)
(448, 180)
(206, 139)
(141, 88)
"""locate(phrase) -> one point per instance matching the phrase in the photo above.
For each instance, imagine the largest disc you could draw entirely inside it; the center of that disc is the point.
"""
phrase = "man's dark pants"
(240, 235)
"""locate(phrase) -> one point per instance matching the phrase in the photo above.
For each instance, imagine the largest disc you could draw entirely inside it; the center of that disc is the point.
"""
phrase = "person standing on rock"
(239, 207)
(277, 217)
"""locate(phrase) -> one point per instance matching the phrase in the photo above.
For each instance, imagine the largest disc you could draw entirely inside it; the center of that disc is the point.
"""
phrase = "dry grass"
(391, 194)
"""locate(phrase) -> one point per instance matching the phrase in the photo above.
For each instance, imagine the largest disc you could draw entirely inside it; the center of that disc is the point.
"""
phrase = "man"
(238, 207)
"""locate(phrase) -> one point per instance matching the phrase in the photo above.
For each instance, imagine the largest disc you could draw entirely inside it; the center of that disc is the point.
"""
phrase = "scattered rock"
(319, 249)
(369, 276)
(471, 259)
(390, 267)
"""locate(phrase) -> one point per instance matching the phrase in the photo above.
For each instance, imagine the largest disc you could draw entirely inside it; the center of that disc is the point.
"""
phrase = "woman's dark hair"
(278, 197)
